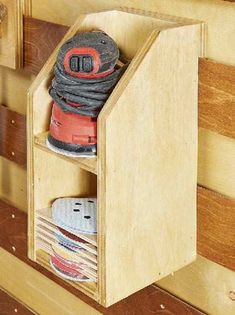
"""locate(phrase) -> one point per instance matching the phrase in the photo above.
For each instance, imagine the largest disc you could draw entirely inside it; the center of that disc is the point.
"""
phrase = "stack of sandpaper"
(74, 257)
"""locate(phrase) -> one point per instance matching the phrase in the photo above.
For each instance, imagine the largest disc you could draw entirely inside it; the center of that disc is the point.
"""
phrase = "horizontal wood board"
(13, 136)
(151, 300)
(8, 305)
(216, 227)
(217, 97)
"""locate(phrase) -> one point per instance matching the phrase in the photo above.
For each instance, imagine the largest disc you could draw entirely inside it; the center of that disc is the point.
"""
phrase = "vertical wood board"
(148, 153)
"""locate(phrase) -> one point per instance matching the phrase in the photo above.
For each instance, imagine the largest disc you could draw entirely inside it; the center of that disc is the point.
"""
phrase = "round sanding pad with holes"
(75, 214)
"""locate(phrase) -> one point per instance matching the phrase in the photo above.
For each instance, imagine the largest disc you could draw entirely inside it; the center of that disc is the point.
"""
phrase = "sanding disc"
(75, 214)
(69, 239)
(85, 152)
(67, 272)
(71, 236)
(69, 255)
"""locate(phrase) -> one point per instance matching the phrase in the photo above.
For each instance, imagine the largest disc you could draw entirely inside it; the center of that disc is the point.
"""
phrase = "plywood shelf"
(147, 156)
(88, 164)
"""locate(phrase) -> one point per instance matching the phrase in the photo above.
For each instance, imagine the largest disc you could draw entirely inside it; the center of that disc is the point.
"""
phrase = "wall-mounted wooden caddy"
(145, 173)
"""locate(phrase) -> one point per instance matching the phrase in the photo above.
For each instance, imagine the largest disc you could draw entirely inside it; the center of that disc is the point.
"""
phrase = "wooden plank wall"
(8, 305)
(13, 136)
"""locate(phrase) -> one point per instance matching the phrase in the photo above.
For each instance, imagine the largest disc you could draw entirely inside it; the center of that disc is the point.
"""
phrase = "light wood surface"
(13, 88)
(13, 231)
(204, 284)
(119, 199)
(156, 149)
(37, 291)
(218, 15)
(216, 167)
(84, 163)
(11, 48)
(13, 183)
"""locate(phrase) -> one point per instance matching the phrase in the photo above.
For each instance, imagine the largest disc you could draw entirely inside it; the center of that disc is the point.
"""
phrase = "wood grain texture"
(218, 15)
(89, 165)
(146, 179)
(13, 136)
(11, 189)
(216, 163)
(11, 48)
(43, 188)
(13, 88)
(216, 227)
(217, 97)
(216, 88)
(204, 284)
(9, 306)
(40, 39)
(13, 231)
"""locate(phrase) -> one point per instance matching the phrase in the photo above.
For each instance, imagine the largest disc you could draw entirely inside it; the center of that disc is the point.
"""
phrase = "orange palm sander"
(85, 75)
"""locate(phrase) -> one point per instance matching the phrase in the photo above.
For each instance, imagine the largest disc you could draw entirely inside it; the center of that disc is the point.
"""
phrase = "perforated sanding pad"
(75, 214)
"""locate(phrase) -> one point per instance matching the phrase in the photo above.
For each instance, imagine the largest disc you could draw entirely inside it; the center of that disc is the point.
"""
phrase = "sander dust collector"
(86, 72)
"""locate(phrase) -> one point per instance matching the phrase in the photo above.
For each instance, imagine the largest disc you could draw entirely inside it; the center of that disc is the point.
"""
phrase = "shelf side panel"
(148, 155)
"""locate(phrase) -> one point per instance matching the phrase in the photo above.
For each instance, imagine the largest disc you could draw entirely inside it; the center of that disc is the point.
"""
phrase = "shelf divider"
(88, 164)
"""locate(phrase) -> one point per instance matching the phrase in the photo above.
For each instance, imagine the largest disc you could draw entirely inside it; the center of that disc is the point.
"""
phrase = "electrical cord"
(90, 94)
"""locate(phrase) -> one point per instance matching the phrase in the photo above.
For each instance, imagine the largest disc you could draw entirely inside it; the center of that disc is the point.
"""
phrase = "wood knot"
(3, 11)
(231, 295)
